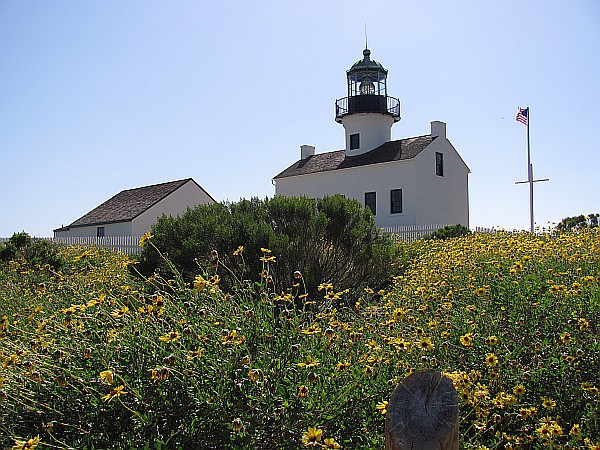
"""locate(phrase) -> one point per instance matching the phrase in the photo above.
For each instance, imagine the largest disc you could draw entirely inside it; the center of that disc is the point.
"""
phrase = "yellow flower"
(3, 323)
(565, 337)
(544, 432)
(467, 340)
(548, 403)
(308, 362)
(491, 360)
(266, 251)
(519, 390)
(330, 443)
(312, 437)
(342, 365)
(382, 407)
(302, 391)
(145, 238)
(117, 392)
(26, 445)
(325, 286)
(592, 445)
(492, 340)
(239, 250)
(526, 413)
(107, 376)
(193, 354)
(313, 329)
(576, 431)
(425, 344)
(254, 375)
(170, 337)
(120, 312)
(199, 283)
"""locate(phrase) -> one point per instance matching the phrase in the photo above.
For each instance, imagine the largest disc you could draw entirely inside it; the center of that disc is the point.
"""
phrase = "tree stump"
(422, 414)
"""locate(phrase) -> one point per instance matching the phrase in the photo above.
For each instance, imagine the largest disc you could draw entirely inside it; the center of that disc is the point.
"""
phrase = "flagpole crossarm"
(533, 181)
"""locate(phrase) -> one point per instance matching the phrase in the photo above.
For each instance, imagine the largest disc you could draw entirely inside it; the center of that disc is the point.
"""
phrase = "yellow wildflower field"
(93, 356)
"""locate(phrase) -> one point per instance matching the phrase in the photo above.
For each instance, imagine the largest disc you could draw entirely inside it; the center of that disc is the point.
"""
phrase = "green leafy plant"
(450, 231)
(33, 251)
(327, 240)
(578, 222)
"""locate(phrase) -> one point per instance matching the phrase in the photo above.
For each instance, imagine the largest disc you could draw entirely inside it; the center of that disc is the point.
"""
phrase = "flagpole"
(530, 174)
(523, 116)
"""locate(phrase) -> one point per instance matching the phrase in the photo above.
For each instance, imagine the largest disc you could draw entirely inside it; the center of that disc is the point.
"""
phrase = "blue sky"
(101, 96)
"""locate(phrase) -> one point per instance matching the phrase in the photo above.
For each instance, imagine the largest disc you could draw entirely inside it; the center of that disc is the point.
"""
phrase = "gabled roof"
(390, 151)
(129, 204)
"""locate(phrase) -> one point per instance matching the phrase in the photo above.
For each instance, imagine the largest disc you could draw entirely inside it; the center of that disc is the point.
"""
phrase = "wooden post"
(422, 414)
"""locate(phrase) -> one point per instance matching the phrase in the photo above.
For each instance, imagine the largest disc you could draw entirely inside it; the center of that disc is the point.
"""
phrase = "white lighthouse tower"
(367, 113)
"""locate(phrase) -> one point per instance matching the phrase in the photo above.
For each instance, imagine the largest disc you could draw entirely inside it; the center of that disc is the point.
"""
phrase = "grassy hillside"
(93, 357)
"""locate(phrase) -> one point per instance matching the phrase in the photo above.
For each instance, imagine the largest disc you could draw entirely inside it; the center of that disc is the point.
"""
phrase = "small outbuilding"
(132, 212)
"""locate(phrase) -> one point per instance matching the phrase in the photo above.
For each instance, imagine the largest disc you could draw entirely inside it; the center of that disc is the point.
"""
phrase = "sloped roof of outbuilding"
(399, 150)
(130, 203)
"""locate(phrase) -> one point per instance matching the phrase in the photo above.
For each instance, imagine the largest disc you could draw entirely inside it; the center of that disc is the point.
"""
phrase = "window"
(439, 164)
(355, 141)
(396, 201)
(371, 201)
(100, 232)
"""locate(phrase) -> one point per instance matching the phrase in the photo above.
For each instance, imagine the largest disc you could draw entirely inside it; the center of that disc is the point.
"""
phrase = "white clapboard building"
(414, 181)
(132, 212)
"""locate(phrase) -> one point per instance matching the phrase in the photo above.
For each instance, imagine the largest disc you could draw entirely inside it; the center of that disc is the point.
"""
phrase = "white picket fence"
(129, 245)
(410, 233)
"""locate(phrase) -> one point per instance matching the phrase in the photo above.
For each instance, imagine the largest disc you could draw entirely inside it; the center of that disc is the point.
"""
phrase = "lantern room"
(367, 90)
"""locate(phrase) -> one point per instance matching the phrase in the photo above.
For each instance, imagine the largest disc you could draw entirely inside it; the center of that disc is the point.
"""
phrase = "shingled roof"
(390, 151)
(129, 204)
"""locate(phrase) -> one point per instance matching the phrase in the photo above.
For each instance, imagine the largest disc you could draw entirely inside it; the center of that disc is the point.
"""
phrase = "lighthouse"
(368, 112)
(414, 181)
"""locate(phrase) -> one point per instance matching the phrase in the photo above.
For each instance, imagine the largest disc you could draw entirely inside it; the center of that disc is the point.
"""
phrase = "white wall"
(110, 229)
(374, 130)
(442, 199)
(187, 196)
(427, 199)
(354, 182)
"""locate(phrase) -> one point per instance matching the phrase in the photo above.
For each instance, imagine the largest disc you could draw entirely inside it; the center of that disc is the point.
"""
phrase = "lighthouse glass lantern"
(367, 90)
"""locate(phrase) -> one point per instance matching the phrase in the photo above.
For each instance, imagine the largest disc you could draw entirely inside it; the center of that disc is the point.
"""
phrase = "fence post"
(422, 413)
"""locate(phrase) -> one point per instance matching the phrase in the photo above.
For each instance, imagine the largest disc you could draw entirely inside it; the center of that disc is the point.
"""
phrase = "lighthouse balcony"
(382, 104)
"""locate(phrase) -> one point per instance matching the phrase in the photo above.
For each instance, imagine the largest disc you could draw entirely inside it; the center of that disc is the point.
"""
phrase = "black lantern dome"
(367, 76)
(367, 90)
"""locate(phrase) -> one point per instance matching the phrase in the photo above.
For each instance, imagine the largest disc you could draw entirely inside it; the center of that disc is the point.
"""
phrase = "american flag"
(522, 115)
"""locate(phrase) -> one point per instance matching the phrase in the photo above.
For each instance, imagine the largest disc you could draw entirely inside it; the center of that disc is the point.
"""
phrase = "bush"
(328, 240)
(576, 223)
(33, 251)
(450, 231)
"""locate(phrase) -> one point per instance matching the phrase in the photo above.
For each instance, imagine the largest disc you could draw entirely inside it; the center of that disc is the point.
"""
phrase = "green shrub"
(450, 231)
(328, 240)
(576, 223)
(33, 251)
